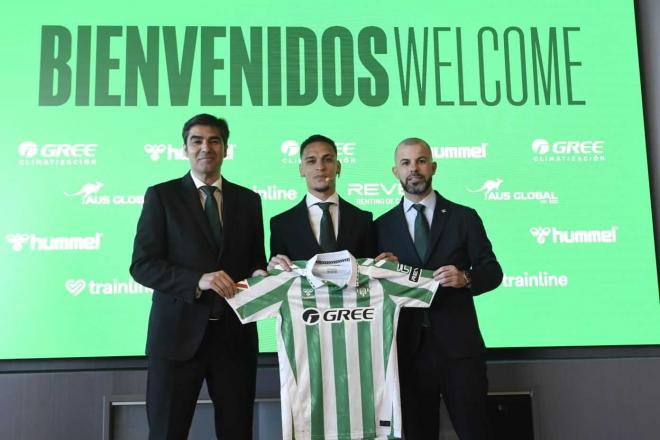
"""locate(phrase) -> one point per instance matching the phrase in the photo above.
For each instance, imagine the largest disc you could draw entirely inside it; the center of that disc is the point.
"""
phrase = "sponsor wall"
(533, 113)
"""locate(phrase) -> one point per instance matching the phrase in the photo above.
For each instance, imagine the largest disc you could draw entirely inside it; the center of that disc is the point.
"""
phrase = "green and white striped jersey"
(336, 324)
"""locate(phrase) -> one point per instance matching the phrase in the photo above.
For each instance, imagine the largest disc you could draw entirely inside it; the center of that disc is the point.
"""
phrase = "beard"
(419, 187)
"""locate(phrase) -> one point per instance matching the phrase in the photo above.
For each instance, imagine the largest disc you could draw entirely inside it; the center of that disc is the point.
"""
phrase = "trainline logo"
(537, 279)
(290, 150)
(460, 152)
(491, 192)
(32, 242)
(560, 236)
(170, 152)
(56, 154)
(115, 287)
(89, 195)
(568, 150)
(272, 192)
(312, 316)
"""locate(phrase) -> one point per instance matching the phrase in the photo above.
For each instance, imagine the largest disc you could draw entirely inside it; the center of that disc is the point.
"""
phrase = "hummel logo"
(540, 233)
(17, 241)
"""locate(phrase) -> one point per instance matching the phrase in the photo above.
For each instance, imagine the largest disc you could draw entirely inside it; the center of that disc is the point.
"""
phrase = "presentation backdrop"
(533, 111)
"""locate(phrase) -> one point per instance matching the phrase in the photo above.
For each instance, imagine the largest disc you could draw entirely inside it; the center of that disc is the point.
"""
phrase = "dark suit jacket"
(291, 233)
(174, 246)
(457, 238)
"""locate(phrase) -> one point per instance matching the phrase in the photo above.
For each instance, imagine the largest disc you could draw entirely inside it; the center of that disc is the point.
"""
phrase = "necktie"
(327, 240)
(421, 231)
(213, 214)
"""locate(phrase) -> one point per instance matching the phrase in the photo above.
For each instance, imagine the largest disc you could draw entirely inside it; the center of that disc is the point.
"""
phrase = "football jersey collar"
(342, 258)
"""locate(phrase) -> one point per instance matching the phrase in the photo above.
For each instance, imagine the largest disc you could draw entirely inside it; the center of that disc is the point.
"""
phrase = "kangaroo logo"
(540, 233)
(87, 190)
(488, 186)
(17, 241)
(154, 151)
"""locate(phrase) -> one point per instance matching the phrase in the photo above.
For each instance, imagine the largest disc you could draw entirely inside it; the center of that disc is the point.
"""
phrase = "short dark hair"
(317, 138)
(210, 120)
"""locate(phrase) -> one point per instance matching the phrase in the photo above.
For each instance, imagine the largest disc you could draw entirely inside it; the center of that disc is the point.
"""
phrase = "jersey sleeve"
(260, 297)
(407, 286)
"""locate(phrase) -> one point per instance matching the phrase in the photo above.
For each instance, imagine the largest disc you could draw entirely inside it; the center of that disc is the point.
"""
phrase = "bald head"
(412, 141)
(414, 167)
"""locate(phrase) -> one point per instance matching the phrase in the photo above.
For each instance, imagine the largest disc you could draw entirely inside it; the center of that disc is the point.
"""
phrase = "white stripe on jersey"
(327, 365)
(301, 405)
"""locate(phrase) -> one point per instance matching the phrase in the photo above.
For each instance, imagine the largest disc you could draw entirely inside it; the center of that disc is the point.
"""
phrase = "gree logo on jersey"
(312, 316)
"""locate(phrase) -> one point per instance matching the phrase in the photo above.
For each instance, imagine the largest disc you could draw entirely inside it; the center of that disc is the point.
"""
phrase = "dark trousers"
(229, 368)
(463, 383)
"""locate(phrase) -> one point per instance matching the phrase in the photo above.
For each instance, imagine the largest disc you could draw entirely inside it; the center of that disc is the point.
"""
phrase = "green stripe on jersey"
(395, 289)
(277, 294)
(286, 328)
(340, 366)
(366, 364)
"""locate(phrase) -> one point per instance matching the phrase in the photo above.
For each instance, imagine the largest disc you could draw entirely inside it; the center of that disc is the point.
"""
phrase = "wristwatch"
(468, 278)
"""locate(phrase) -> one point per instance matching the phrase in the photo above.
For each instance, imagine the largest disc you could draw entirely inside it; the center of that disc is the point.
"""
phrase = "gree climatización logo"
(56, 154)
(312, 316)
(169, 152)
(291, 151)
(491, 191)
(33, 242)
(568, 150)
(542, 234)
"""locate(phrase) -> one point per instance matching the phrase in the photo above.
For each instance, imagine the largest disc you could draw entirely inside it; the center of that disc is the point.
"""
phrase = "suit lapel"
(229, 209)
(301, 223)
(190, 196)
(440, 214)
(345, 225)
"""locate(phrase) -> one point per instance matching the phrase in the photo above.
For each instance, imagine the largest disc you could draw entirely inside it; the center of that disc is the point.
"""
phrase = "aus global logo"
(491, 190)
(312, 316)
(89, 195)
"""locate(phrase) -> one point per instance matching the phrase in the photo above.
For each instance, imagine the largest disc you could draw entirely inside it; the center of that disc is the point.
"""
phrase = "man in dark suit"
(441, 350)
(322, 221)
(195, 237)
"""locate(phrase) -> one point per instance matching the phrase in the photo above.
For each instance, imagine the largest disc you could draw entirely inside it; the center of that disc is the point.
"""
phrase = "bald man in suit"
(441, 350)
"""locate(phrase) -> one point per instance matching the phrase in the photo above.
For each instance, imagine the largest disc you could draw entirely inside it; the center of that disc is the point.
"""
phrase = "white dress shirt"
(202, 195)
(315, 213)
(411, 213)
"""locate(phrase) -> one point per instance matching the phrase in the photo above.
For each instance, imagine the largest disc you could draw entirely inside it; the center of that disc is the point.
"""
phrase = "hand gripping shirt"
(336, 324)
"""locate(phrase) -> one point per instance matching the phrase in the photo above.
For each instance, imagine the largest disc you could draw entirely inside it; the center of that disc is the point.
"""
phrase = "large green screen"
(533, 110)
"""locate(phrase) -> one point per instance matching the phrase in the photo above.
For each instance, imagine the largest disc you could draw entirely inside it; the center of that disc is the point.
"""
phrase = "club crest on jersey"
(312, 316)
(362, 291)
